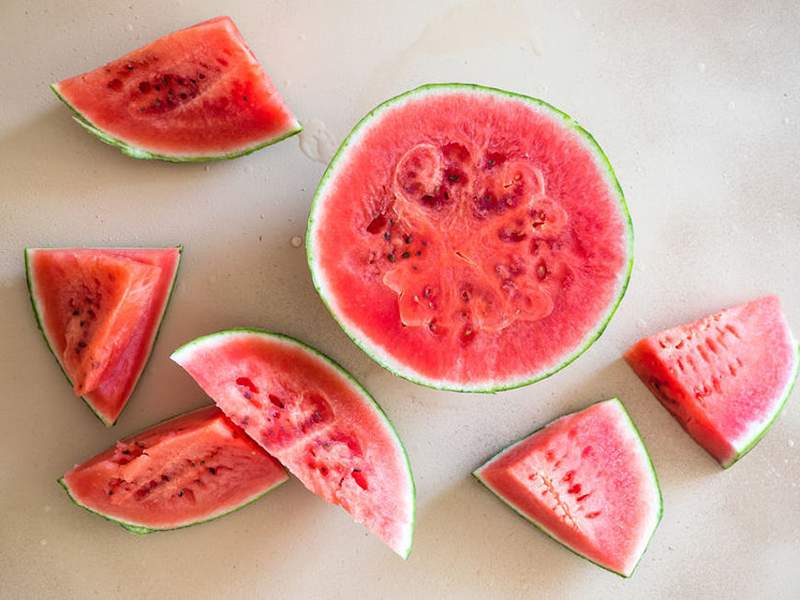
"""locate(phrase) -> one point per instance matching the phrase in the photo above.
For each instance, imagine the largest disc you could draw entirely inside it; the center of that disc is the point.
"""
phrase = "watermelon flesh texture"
(724, 377)
(469, 238)
(315, 419)
(195, 94)
(100, 310)
(190, 469)
(586, 480)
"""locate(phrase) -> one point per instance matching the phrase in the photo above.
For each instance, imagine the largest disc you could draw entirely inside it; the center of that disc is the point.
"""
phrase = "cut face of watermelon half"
(100, 310)
(310, 414)
(188, 470)
(586, 480)
(194, 95)
(725, 377)
(469, 238)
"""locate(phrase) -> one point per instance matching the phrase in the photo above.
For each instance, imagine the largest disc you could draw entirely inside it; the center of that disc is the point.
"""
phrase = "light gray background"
(698, 107)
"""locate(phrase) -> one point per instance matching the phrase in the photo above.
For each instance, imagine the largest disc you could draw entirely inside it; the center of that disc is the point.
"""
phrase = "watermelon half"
(724, 377)
(310, 414)
(190, 469)
(585, 480)
(469, 238)
(100, 310)
(196, 94)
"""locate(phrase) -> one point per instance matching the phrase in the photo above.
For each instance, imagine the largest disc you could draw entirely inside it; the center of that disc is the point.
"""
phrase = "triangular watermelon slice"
(99, 310)
(195, 94)
(586, 480)
(724, 377)
(310, 414)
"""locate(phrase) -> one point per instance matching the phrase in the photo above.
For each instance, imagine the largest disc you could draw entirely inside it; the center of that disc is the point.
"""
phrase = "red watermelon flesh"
(195, 94)
(313, 417)
(190, 469)
(100, 310)
(469, 238)
(585, 480)
(724, 377)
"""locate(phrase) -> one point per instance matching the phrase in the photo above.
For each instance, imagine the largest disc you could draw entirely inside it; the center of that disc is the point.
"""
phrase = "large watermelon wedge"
(724, 377)
(469, 238)
(99, 310)
(187, 470)
(586, 480)
(193, 95)
(311, 415)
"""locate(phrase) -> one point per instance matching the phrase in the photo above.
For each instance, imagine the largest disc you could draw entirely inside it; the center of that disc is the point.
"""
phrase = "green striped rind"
(781, 406)
(40, 324)
(651, 471)
(143, 154)
(186, 350)
(388, 362)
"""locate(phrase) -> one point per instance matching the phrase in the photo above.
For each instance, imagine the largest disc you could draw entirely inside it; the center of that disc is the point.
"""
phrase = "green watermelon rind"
(651, 471)
(389, 363)
(356, 385)
(40, 325)
(138, 528)
(143, 154)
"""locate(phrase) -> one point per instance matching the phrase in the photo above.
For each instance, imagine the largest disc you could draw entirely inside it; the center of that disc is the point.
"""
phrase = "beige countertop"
(697, 104)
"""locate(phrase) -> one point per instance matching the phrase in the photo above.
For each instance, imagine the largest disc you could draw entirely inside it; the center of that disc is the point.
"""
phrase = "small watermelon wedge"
(587, 481)
(724, 377)
(100, 310)
(190, 469)
(310, 414)
(196, 94)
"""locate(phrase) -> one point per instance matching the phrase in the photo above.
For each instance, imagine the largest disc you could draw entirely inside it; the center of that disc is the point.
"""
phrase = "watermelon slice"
(469, 238)
(586, 480)
(100, 310)
(190, 469)
(193, 95)
(725, 377)
(310, 414)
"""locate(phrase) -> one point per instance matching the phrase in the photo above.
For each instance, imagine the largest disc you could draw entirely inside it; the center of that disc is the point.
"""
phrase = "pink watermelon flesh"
(100, 310)
(724, 377)
(586, 480)
(309, 414)
(469, 238)
(187, 470)
(193, 94)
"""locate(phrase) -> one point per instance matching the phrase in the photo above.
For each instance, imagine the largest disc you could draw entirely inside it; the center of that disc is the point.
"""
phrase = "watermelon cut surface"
(469, 238)
(195, 94)
(191, 469)
(100, 310)
(724, 377)
(586, 480)
(311, 415)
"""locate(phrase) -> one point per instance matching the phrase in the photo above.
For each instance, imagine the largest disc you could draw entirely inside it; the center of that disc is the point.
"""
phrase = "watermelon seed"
(115, 84)
(568, 476)
(574, 489)
(276, 401)
(391, 257)
(359, 478)
(584, 497)
(405, 255)
(212, 470)
(593, 515)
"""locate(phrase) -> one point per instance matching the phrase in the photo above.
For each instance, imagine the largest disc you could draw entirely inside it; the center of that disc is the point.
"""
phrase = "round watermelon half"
(585, 480)
(196, 94)
(187, 470)
(470, 239)
(319, 422)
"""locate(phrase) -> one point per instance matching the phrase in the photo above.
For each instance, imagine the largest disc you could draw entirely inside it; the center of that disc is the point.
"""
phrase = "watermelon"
(99, 310)
(310, 414)
(190, 469)
(724, 377)
(585, 480)
(469, 238)
(196, 94)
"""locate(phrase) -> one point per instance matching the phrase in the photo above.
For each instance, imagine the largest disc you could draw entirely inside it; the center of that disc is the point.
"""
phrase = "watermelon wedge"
(194, 95)
(469, 238)
(190, 469)
(310, 414)
(585, 480)
(99, 310)
(724, 377)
